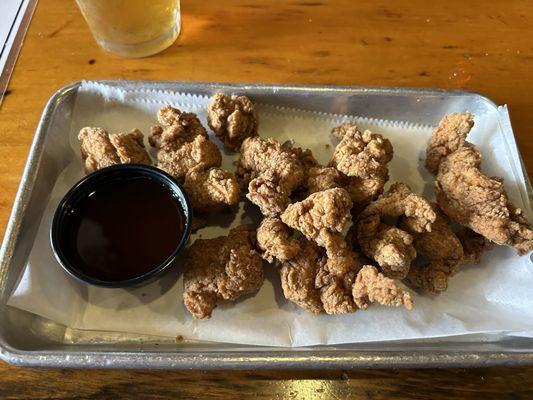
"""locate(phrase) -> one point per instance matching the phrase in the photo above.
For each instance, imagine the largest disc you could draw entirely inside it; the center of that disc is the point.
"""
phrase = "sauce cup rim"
(91, 181)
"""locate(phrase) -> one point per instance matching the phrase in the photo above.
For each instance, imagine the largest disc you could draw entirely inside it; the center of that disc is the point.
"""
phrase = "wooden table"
(477, 45)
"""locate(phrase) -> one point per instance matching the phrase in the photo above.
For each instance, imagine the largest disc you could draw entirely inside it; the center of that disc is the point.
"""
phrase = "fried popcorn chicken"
(275, 171)
(336, 290)
(362, 158)
(479, 202)
(449, 136)
(198, 154)
(323, 178)
(391, 247)
(320, 214)
(372, 286)
(268, 195)
(321, 217)
(100, 150)
(336, 277)
(298, 276)
(443, 251)
(232, 118)
(211, 190)
(130, 147)
(182, 143)
(221, 270)
(97, 151)
(307, 281)
(466, 195)
(273, 238)
(362, 155)
(305, 156)
(176, 128)
(474, 245)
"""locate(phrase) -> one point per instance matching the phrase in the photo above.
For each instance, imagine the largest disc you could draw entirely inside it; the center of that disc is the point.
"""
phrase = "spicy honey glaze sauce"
(123, 229)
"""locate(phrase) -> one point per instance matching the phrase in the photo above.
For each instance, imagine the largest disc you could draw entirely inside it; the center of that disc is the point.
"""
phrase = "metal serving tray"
(27, 339)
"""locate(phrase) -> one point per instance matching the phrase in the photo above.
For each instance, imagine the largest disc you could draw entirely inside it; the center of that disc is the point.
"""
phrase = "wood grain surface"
(483, 46)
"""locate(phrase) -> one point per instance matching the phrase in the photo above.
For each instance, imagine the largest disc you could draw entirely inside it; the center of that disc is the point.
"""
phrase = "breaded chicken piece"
(182, 143)
(305, 156)
(232, 118)
(130, 147)
(336, 277)
(268, 194)
(307, 281)
(322, 217)
(362, 158)
(221, 270)
(100, 150)
(199, 154)
(449, 136)
(273, 238)
(474, 245)
(443, 251)
(372, 286)
(363, 190)
(392, 248)
(362, 155)
(97, 151)
(298, 276)
(176, 128)
(336, 289)
(323, 178)
(212, 189)
(465, 194)
(276, 169)
(320, 214)
(479, 202)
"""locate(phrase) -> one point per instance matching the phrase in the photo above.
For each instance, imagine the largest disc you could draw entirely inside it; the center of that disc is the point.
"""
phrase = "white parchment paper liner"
(494, 297)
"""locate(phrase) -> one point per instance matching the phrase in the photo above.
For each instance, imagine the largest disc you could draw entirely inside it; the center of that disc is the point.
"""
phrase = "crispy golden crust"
(323, 178)
(449, 136)
(320, 214)
(479, 202)
(391, 247)
(322, 217)
(442, 250)
(97, 151)
(182, 143)
(361, 159)
(310, 280)
(474, 245)
(336, 277)
(221, 270)
(176, 128)
(371, 286)
(305, 156)
(199, 154)
(100, 150)
(298, 276)
(232, 118)
(130, 147)
(465, 194)
(336, 290)
(362, 155)
(211, 190)
(275, 171)
(268, 194)
(273, 238)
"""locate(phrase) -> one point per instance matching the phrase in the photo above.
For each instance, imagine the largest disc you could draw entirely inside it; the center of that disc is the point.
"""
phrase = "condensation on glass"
(132, 28)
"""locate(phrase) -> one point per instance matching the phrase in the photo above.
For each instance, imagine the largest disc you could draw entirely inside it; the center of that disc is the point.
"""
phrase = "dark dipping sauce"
(123, 229)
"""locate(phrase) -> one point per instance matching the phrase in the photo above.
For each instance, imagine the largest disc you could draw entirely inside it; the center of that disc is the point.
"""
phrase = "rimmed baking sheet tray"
(27, 339)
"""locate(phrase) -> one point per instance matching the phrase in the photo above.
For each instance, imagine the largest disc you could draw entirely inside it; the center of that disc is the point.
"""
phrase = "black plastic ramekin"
(90, 183)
